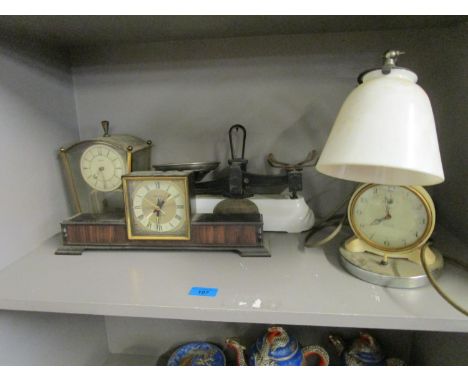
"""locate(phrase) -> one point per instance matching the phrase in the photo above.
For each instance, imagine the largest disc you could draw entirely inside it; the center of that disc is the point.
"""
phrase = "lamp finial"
(390, 58)
(105, 127)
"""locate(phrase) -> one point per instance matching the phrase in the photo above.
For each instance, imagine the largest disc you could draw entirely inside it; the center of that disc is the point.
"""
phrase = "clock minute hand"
(387, 208)
(101, 172)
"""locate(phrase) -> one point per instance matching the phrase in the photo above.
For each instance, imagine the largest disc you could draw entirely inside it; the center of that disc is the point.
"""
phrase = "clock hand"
(378, 221)
(101, 172)
(146, 200)
(168, 198)
(163, 201)
(159, 205)
(387, 213)
(387, 208)
(159, 202)
(148, 216)
(157, 208)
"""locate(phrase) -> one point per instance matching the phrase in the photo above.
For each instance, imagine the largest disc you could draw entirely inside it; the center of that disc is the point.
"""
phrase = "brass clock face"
(157, 207)
(102, 167)
(392, 218)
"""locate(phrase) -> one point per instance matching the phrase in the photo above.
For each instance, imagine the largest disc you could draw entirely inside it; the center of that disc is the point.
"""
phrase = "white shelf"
(295, 286)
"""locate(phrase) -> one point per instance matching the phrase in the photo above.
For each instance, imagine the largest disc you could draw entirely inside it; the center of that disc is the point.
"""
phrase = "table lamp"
(385, 136)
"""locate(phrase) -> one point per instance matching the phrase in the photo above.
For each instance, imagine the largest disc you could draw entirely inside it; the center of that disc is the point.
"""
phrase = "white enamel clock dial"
(102, 167)
(391, 218)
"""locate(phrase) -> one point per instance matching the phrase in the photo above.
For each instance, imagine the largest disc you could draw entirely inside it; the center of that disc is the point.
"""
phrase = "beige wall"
(37, 116)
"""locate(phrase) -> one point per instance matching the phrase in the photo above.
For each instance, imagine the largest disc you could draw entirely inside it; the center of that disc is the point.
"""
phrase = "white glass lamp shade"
(384, 133)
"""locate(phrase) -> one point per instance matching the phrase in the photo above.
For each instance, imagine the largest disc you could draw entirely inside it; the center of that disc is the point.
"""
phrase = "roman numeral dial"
(159, 207)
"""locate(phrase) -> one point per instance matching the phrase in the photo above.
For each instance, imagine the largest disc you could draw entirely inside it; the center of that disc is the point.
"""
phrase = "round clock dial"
(392, 218)
(102, 167)
(159, 206)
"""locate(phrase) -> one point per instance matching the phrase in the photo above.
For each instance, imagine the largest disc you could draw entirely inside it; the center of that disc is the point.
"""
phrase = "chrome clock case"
(93, 168)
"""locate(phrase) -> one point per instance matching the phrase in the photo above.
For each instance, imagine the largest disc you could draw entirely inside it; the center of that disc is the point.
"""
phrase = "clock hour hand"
(161, 203)
(387, 212)
(158, 207)
(378, 221)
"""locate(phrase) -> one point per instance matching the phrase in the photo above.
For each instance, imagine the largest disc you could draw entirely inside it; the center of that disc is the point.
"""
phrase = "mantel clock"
(157, 205)
(93, 170)
(160, 215)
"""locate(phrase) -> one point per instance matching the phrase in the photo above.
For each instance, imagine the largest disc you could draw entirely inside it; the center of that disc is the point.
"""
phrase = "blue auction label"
(203, 292)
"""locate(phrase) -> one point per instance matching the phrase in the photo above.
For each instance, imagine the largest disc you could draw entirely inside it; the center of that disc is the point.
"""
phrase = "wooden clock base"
(241, 233)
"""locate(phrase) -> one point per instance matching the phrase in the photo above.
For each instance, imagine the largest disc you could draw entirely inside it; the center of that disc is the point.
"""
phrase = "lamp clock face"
(392, 218)
(157, 207)
(102, 167)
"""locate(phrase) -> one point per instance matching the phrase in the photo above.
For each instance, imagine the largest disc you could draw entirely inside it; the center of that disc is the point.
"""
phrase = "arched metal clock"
(93, 170)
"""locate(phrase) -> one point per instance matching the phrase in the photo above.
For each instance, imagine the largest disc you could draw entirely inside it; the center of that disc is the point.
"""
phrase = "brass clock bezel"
(74, 177)
(420, 193)
(128, 203)
(124, 162)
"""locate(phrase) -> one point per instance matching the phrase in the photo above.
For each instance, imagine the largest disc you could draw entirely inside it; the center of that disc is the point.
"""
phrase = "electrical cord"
(331, 219)
(339, 220)
(434, 283)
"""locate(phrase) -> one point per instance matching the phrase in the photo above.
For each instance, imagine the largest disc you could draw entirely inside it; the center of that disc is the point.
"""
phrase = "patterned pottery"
(197, 354)
(362, 351)
(277, 348)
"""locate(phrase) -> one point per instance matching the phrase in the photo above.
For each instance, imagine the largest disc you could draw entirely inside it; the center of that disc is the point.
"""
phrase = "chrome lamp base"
(395, 273)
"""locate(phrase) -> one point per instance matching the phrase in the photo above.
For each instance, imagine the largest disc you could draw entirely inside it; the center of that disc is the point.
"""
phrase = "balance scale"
(278, 198)
(280, 212)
